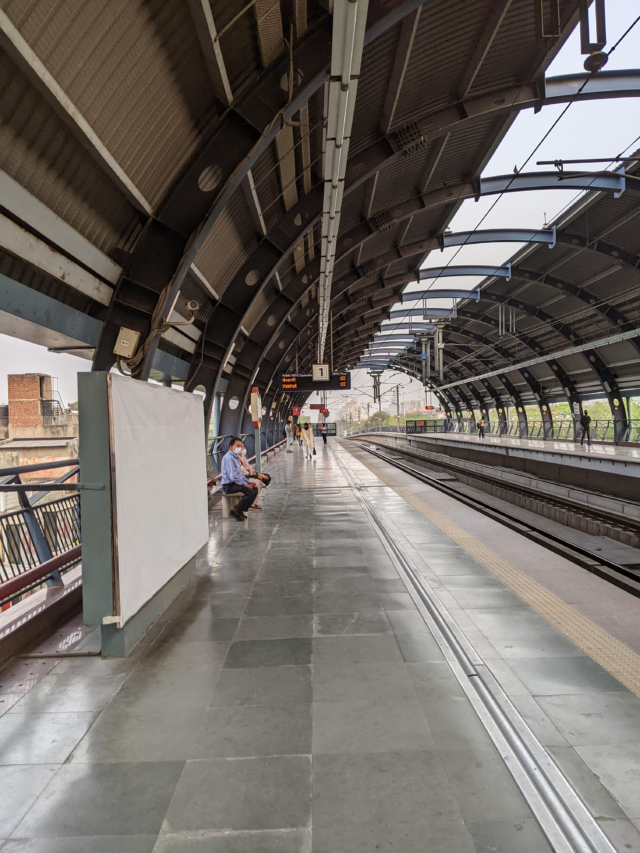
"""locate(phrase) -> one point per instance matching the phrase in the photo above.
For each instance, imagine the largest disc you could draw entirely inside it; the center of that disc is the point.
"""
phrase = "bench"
(229, 502)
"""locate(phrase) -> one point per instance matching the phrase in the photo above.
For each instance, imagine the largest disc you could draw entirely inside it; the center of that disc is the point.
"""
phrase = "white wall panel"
(159, 479)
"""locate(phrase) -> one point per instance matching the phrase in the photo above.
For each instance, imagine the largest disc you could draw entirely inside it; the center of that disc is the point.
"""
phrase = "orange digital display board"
(292, 382)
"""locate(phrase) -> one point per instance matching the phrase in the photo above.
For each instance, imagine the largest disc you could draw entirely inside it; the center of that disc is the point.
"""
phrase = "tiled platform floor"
(292, 700)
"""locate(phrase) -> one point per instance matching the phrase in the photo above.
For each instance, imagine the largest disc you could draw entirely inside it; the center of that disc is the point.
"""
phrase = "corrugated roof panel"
(377, 63)
(439, 57)
(228, 245)
(267, 184)
(40, 153)
(136, 73)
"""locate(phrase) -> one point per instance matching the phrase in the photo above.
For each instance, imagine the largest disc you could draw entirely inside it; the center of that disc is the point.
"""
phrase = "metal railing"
(600, 431)
(39, 531)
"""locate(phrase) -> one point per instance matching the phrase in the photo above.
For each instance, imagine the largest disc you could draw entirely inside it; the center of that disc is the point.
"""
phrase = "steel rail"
(598, 565)
(560, 811)
(598, 514)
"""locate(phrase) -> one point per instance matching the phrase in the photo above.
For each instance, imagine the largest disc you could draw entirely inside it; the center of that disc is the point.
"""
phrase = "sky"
(590, 129)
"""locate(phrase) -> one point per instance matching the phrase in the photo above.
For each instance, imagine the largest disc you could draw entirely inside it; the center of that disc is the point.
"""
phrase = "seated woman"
(255, 480)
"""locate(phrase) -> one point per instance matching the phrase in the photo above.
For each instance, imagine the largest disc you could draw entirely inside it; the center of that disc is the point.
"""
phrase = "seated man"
(233, 480)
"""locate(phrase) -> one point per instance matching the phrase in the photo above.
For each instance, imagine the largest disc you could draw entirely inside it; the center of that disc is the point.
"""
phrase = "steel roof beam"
(409, 296)
(367, 163)
(500, 235)
(208, 37)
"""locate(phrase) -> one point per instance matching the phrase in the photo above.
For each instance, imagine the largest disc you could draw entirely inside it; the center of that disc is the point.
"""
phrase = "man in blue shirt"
(233, 480)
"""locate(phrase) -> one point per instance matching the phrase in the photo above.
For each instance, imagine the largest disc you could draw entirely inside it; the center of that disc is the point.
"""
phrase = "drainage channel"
(561, 813)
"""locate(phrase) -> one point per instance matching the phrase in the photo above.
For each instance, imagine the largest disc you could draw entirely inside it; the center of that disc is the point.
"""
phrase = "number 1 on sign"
(320, 372)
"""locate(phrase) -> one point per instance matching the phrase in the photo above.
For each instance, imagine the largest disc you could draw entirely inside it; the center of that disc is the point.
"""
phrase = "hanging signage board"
(316, 406)
(296, 411)
(304, 382)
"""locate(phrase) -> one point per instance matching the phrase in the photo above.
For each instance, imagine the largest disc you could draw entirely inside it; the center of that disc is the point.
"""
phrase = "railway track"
(619, 575)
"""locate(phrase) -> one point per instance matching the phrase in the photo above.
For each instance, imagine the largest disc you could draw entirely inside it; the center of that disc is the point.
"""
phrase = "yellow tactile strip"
(611, 654)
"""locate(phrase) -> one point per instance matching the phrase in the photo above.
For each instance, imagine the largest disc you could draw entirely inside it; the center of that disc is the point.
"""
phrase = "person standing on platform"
(308, 441)
(234, 481)
(289, 433)
(299, 435)
(481, 428)
(323, 433)
(585, 427)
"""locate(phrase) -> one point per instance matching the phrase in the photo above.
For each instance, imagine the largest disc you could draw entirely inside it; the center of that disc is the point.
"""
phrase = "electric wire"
(531, 155)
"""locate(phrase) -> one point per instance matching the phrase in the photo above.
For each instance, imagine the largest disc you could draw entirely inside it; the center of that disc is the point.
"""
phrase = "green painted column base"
(116, 642)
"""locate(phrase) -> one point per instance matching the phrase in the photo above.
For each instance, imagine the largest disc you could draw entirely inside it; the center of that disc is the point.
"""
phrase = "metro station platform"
(604, 457)
(300, 696)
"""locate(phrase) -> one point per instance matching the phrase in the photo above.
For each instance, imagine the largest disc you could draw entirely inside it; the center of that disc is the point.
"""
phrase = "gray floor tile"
(21, 786)
(290, 605)
(618, 769)
(285, 587)
(370, 726)
(508, 836)
(122, 734)
(265, 841)
(284, 685)
(472, 582)
(346, 586)
(405, 622)
(247, 794)
(598, 800)
(394, 585)
(256, 653)
(347, 603)
(482, 598)
(202, 629)
(103, 799)
(454, 724)
(41, 738)
(595, 719)
(482, 785)
(83, 844)
(22, 676)
(385, 802)
(418, 647)
(525, 642)
(274, 627)
(336, 624)
(203, 657)
(70, 693)
(340, 562)
(393, 601)
(364, 682)
(341, 651)
(226, 606)
(434, 680)
(543, 728)
(558, 675)
(241, 731)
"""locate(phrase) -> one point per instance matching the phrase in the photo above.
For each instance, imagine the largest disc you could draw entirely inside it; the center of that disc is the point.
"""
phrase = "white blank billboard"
(159, 486)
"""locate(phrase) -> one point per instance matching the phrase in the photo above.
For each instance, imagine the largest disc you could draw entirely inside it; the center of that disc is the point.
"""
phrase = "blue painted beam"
(441, 294)
(501, 235)
(420, 312)
(33, 316)
(465, 269)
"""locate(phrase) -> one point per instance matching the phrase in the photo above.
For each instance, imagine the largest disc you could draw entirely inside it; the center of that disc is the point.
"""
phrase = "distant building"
(35, 427)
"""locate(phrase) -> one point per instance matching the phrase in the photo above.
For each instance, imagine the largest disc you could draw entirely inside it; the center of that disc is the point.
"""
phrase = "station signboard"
(290, 382)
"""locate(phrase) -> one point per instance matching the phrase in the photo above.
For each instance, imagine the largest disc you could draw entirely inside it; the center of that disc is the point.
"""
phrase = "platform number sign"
(320, 372)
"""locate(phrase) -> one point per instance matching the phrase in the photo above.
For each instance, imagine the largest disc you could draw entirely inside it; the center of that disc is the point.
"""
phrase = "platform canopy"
(162, 163)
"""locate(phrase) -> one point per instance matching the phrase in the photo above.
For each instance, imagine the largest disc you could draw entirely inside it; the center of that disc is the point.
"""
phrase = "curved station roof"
(158, 152)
